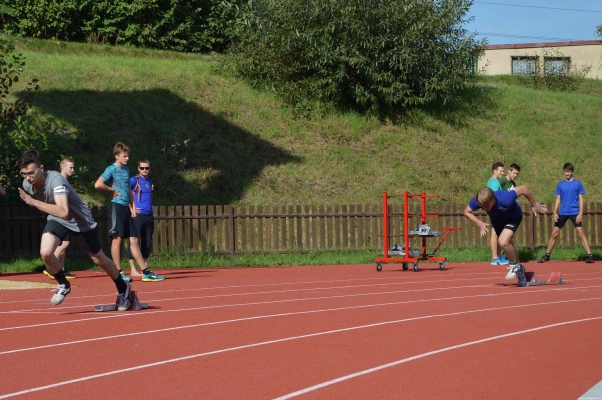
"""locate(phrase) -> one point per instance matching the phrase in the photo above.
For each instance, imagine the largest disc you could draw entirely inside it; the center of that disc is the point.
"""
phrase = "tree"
(359, 54)
(179, 25)
(16, 133)
(599, 30)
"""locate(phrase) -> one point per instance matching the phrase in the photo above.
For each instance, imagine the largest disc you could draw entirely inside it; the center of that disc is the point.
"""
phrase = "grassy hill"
(214, 140)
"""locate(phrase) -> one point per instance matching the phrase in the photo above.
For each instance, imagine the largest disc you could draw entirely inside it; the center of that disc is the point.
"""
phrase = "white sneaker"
(512, 272)
(59, 296)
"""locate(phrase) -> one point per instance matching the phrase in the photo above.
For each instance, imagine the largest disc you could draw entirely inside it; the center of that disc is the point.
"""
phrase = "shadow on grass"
(472, 102)
(197, 157)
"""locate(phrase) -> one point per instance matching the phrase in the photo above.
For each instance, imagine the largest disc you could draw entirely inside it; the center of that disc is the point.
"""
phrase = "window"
(556, 65)
(524, 65)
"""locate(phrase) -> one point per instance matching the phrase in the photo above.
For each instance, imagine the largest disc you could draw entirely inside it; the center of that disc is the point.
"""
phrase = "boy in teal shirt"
(497, 170)
(123, 211)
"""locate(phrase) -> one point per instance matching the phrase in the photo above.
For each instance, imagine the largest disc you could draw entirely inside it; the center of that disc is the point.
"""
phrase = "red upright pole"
(406, 224)
(385, 225)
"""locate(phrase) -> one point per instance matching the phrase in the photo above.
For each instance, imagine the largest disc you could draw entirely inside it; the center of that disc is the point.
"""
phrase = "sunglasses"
(144, 168)
(29, 174)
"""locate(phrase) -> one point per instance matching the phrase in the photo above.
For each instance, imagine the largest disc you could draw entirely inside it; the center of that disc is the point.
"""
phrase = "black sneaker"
(69, 275)
(589, 259)
(545, 258)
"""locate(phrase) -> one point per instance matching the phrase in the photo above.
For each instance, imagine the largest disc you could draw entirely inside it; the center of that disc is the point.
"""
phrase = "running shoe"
(544, 259)
(125, 277)
(123, 299)
(68, 274)
(499, 261)
(589, 259)
(512, 272)
(504, 258)
(60, 292)
(151, 277)
(522, 279)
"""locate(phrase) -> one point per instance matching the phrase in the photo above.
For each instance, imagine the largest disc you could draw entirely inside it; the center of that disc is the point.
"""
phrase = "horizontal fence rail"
(291, 228)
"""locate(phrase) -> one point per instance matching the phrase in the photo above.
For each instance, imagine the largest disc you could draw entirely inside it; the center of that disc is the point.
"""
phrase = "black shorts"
(563, 218)
(122, 223)
(88, 240)
(512, 224)
(145, 226)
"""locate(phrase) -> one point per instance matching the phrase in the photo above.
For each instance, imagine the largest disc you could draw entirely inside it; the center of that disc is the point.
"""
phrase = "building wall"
(498, 58)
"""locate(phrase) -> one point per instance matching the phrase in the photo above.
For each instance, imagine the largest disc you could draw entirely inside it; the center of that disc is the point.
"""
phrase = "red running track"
(309, 332)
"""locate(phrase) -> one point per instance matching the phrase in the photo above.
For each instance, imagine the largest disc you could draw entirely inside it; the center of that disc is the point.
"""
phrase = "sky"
(517, 21)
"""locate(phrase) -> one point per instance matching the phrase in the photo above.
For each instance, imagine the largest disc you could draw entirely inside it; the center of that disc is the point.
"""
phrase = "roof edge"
(544, 44)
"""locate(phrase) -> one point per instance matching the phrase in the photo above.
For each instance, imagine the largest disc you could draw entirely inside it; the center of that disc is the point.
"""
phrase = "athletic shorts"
(563, 218)
(122, 223)
(88, 240)
(512, 224)
(145, 226)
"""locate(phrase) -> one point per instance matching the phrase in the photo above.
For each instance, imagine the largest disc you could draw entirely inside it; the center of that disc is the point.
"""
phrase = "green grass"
(244, 147)
(173, 260)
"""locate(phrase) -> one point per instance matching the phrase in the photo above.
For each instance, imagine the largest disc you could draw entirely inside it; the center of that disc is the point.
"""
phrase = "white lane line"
(255, 285)
(149, 313)
(291, 338)
(63, 308)
(472, 274)
(280, 291)
(265, 317)
(430, 353)
(595, 393)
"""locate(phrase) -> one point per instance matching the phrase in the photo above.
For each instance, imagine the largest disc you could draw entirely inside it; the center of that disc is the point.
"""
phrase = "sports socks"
(121, 285)
(61, 279)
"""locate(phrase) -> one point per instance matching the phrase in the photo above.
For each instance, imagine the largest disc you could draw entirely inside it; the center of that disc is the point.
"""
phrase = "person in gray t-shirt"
(68, 214)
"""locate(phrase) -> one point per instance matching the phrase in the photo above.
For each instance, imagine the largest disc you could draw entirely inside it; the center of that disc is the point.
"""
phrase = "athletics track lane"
(381, 318)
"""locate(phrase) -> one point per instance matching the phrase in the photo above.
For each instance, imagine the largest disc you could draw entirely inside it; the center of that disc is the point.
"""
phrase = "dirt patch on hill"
(5, 284)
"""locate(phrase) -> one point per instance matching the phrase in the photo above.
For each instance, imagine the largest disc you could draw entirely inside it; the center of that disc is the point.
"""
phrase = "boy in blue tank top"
(569, 196)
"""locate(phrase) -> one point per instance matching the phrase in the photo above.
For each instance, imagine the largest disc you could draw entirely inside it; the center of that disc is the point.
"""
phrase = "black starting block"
(555, 279)
(135, 304)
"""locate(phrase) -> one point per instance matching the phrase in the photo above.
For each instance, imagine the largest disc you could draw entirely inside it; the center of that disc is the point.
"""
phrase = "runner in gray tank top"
(68, 214)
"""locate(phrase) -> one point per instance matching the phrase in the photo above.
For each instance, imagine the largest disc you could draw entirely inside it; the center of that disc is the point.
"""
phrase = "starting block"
(135, 304)
(554, 279)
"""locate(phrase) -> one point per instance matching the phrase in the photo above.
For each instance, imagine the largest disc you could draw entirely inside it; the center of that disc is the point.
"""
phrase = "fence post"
(232, 231)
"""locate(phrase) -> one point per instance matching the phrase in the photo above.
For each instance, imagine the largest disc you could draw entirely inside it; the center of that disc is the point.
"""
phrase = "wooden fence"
(289, 228)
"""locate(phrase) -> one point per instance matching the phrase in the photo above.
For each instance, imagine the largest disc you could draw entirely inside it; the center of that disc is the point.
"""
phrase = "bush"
(17, 134)
(179, 25)
(359, 54)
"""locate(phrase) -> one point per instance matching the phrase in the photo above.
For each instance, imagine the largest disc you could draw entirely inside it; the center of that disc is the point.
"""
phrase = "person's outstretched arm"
(523, 190)
(468, 213)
